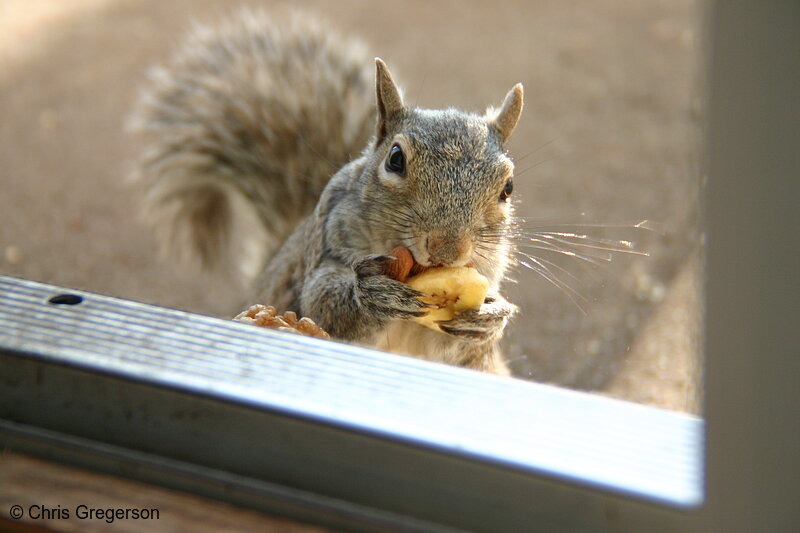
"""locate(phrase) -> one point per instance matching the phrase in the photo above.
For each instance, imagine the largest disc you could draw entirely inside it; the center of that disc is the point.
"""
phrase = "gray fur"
(243, 127)
(219, 149)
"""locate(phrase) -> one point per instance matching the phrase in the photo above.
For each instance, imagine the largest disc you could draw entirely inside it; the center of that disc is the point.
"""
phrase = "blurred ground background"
(609, 135)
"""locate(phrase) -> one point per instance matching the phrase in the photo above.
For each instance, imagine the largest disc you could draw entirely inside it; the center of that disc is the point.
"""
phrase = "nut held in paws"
(400, 268)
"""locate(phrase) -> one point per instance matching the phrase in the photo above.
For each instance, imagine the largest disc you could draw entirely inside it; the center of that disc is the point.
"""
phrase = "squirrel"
(251, 163)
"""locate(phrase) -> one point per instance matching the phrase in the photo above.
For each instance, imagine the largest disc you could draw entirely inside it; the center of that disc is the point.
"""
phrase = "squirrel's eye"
(396, 162)
(507, 190)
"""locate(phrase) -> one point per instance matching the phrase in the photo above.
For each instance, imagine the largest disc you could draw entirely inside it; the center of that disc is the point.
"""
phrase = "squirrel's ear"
(389, 99)
(505, 120)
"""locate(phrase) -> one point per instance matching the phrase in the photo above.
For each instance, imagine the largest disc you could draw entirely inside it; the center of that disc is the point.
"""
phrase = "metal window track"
(326, 432)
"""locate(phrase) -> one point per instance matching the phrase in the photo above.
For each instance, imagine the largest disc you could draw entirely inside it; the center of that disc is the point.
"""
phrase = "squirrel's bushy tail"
(243, 128)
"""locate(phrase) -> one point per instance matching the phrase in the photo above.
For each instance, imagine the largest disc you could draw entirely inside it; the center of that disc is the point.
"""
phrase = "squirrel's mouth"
(444, 247)
(426, 260)
(452, 256)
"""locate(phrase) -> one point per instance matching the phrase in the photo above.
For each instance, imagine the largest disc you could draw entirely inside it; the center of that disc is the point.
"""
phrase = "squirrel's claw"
(479, 335)
(482, 324)
(384, 296)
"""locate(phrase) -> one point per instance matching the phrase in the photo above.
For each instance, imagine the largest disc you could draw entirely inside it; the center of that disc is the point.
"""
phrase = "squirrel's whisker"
(542, 269)
(595, 260)
(545, 145)
(531, 167)
(549, 263)
(623, 247)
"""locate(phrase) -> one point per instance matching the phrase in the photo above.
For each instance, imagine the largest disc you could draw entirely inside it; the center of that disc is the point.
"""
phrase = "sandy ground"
(609, 135)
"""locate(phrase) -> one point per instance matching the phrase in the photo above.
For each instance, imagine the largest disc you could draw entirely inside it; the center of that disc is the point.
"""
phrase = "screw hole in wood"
(65, 299)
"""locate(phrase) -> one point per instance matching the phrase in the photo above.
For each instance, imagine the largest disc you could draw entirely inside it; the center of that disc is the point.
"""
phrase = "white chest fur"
(407, 338)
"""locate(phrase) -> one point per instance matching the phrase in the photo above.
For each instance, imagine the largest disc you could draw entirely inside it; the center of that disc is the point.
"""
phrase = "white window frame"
(357, 439)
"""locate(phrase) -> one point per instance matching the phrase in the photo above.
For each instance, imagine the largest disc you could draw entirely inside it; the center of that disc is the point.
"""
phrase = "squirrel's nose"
(448, 248)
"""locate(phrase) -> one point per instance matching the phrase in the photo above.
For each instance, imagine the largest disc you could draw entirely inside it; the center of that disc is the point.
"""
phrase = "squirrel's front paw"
(485, 323)
(384, 296)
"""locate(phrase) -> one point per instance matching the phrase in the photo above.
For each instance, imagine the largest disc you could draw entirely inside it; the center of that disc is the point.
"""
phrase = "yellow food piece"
(451, 289)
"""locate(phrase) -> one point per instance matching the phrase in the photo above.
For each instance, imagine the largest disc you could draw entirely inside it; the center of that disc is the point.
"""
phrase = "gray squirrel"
(251, 163)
